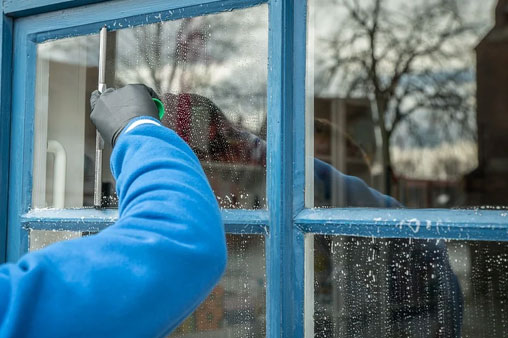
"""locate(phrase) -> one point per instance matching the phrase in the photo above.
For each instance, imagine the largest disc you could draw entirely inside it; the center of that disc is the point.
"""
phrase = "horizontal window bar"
(120, 14)
(491, 225)
(19, 8)
(235, 221)
(245, 221)
(69, 219)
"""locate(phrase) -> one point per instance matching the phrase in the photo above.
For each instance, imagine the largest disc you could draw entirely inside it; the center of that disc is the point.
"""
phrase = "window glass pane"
(64, 137)
(409, 99)
(366, 287)
(211, 75)
(235, 308)
(39, 239)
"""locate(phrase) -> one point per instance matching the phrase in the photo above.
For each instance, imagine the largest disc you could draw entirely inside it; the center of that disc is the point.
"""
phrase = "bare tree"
(405, 57)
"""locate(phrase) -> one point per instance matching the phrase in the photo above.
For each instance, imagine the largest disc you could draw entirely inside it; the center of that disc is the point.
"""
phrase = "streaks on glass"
(366, 287)
(236, 307)
(211, 75)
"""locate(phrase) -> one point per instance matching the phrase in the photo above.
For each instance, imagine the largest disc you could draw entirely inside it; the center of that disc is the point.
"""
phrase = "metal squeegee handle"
(99, 142)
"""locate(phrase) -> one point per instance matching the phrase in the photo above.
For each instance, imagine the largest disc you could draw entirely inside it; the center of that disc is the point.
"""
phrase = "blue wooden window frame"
(285, 222)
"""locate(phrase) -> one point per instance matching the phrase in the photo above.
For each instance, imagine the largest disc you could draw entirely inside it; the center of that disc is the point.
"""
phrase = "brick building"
(490, 179)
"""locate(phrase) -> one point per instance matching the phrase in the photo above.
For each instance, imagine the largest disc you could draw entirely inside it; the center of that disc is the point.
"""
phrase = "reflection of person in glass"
(143, 275)
(417, 292)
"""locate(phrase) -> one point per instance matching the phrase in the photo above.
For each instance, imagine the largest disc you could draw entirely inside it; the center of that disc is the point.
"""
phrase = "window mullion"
(21, 147)
(5, 111)
(285, 175)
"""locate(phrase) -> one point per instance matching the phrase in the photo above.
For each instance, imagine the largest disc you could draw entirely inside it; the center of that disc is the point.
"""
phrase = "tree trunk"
(387, 163)
(386, 185)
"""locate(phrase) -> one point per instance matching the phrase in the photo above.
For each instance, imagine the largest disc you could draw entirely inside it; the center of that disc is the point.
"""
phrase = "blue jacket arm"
(138, 278)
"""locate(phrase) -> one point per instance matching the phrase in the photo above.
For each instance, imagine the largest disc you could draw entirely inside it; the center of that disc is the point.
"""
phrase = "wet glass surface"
(409, 97)
(366, 287)
(39, 239)
(210, 73)
(235, 308)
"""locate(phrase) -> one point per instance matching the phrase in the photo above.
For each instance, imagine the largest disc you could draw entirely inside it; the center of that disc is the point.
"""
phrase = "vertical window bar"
(280, 311)
(5, 113)
(303, 256)
(21, 147)
(285, 172)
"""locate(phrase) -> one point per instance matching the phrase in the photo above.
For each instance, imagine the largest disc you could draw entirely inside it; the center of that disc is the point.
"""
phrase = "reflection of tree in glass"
(412, 60)
(164, 52)
(209, 55)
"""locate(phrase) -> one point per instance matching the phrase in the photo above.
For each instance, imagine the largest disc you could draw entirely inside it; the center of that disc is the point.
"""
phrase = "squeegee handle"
(99, 141)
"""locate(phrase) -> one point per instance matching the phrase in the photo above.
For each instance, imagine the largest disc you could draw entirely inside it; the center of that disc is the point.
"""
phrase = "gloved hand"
(113, 109)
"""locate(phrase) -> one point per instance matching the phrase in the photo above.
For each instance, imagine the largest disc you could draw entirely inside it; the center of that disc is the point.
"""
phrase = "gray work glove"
(113, 109)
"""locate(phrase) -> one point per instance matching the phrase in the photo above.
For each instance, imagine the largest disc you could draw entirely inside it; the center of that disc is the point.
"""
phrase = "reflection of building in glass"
(428, 177)
(490, 179)
(345, 137)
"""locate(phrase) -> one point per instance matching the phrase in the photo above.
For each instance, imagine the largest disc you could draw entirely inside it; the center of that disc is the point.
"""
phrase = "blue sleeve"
(138, 278)
(350, 191)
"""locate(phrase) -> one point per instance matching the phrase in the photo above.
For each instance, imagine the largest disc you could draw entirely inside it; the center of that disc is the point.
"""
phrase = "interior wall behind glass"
(66, 76)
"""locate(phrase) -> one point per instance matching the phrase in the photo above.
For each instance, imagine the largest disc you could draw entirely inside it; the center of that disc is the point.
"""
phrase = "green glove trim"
(160, 107)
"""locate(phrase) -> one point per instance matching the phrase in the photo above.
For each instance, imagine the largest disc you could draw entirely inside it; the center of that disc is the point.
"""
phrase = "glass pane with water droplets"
(210, 73)
(367, 287)
(235, 308)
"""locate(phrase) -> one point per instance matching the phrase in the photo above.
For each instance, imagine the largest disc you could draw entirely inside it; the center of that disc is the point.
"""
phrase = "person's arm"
(143, 275)
(355, 192)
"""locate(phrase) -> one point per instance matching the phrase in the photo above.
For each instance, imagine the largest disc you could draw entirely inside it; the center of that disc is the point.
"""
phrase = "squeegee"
(99, 142)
